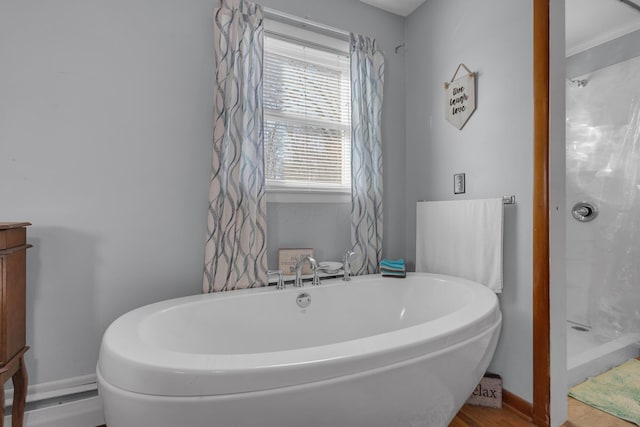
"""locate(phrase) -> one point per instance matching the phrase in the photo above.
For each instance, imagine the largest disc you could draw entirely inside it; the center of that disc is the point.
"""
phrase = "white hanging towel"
(461, 238)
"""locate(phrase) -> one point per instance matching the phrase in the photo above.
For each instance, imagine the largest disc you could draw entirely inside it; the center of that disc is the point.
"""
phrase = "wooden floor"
(580, 415)
(476, 416)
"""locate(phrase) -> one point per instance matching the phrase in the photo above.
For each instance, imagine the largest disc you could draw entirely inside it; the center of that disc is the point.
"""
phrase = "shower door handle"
(584, 211)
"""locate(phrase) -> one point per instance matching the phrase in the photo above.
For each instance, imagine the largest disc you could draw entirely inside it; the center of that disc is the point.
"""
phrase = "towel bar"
(506, 200)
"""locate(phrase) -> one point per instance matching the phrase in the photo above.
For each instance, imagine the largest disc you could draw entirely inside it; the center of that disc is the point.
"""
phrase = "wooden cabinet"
(13, 261)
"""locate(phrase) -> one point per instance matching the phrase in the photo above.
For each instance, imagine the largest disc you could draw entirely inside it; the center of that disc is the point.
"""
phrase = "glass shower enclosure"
(603, 215)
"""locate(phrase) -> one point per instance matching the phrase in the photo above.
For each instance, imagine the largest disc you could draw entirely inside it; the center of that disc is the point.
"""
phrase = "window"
(307, 117)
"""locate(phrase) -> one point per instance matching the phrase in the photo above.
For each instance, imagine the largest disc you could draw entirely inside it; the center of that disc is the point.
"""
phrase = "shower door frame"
(541, 273)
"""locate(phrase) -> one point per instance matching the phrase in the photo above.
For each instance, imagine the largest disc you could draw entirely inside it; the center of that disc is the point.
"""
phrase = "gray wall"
(494, 149)
(324, 226)
(105, 132)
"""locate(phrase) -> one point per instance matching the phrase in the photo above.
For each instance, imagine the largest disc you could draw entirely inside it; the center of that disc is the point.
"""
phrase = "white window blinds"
(307, 117)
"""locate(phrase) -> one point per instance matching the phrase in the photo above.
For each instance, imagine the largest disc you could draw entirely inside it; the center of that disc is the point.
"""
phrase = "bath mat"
(616, 391)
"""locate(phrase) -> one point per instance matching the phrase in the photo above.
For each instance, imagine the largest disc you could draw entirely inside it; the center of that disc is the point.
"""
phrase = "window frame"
(289, 192)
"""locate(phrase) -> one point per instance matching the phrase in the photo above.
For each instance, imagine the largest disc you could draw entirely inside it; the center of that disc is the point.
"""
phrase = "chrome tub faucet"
(314, 266)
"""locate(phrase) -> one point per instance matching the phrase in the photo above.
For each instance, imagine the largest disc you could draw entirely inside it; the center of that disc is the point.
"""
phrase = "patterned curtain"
(235, 251)
(367, 80)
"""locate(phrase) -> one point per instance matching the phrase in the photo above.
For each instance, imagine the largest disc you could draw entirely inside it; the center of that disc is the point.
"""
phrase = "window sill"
(307, 196)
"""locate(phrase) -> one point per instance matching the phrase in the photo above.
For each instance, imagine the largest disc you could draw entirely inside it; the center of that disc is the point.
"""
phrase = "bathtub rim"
(182, 374)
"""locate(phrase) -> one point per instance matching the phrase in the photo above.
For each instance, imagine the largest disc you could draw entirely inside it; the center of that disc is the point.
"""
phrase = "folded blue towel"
(393, 265)
(397, 274)
(393, 268)
(399, 270)
(392, 261)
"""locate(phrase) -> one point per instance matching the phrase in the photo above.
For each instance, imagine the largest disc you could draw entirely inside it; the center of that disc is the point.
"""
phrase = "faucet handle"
(348, 256)
(346, 265)
(280, 283)
(346, 262)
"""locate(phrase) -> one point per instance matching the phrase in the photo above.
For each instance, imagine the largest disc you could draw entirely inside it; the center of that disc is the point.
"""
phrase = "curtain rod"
(305, 22)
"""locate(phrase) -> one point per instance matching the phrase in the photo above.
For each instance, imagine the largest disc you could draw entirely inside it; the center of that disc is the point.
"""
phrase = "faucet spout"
(314, 266)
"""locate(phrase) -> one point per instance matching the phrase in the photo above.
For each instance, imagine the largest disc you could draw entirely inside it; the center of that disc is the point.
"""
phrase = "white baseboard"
(53, 404)
(53, 389)
(79, 413)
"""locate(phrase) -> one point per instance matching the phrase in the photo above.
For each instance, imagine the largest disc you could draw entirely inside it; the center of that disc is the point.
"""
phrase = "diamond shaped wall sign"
(460, 97)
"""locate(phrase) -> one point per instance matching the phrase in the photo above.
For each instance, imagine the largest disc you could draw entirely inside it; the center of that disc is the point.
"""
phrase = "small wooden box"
(287, 259)
(488, 393)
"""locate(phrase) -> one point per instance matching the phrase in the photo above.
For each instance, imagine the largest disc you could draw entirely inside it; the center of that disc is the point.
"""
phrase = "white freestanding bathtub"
(370, 352)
